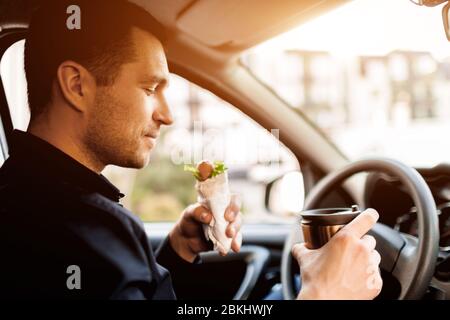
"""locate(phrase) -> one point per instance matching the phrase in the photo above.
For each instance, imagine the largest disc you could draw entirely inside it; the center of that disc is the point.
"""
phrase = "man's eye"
(150, 91)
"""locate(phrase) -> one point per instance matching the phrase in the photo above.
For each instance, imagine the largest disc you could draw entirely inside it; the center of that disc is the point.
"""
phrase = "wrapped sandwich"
(214, 193)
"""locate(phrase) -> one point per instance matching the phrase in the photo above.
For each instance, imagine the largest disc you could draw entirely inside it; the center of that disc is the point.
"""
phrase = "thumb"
(299, 250)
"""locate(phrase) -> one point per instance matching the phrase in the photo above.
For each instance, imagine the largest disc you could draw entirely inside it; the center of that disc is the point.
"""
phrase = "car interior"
(413, 233)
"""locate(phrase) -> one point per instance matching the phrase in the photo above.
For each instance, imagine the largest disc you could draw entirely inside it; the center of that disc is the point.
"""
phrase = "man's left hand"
(187, 237)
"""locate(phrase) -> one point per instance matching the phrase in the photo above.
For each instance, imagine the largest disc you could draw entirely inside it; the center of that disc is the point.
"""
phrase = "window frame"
(8, 37)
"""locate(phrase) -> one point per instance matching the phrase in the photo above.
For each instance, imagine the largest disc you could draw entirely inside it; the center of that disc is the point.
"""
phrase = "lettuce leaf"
(219, 168)
(192, 170)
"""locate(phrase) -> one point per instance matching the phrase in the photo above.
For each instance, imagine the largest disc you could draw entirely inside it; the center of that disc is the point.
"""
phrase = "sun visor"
(240, 23)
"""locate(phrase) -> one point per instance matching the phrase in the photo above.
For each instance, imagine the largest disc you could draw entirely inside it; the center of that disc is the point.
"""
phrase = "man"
(96, 96)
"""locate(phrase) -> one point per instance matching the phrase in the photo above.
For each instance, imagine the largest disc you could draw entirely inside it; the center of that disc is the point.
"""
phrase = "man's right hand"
(344, 268)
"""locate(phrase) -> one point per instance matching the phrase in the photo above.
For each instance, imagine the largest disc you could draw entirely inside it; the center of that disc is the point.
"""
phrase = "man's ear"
(77, 85)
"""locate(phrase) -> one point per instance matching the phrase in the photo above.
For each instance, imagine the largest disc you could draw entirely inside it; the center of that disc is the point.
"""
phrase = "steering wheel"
(256, 259)
(409, 259)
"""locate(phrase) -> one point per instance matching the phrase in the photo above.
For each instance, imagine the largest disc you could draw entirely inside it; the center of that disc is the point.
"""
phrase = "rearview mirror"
(445, 11)
(446, 19)
(286, 194)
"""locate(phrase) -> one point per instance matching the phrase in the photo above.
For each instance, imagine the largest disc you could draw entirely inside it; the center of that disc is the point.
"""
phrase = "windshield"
(374, 76)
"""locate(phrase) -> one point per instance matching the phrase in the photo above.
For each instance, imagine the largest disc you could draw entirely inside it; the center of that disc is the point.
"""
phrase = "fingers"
(201, 214)
(204, 215)
(374, 282)
(237, 242)
(362, 223)
(375, 258)
(233, 209)
(377, 282)
(233, 230)
(369, 242)
(234, 227)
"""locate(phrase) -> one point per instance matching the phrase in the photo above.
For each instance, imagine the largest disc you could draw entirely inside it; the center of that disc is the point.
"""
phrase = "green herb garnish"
(192, 170)
(219, 168)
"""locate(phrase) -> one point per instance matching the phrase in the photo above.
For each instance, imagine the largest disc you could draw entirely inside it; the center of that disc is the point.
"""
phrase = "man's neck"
(67, 143)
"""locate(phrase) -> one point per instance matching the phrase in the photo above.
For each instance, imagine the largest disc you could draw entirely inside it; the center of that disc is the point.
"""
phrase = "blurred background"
(374, 76)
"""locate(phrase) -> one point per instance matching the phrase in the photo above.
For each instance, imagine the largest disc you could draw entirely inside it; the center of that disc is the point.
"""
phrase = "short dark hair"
(101, 45)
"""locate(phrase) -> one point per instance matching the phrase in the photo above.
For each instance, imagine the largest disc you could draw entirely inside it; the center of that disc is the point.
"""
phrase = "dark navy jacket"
(56, 213)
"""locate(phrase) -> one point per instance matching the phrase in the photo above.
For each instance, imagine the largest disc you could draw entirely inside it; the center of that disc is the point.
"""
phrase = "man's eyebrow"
(157, 79)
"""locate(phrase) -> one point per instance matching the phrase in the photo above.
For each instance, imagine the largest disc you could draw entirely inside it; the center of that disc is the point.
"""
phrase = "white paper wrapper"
(214, 193)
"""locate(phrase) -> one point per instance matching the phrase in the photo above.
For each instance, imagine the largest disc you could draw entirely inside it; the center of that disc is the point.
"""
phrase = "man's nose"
(162, 113)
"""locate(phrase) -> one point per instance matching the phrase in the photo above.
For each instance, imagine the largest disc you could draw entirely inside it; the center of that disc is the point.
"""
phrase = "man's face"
(126, 117)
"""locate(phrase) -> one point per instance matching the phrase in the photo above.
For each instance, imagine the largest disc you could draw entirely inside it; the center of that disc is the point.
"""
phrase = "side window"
(15, 85)
(205, 127)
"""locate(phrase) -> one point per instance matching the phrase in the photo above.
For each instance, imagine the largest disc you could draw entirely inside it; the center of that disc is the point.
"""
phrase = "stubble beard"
(107, 136)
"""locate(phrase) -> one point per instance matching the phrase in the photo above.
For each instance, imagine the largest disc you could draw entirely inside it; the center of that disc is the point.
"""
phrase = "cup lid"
(329, 216)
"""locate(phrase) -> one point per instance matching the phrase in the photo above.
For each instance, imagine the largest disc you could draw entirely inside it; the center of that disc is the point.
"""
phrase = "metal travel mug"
(321, 224)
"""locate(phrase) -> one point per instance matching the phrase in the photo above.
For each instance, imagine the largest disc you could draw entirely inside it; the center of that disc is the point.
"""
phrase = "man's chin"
(137, 162)
(142, 163)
